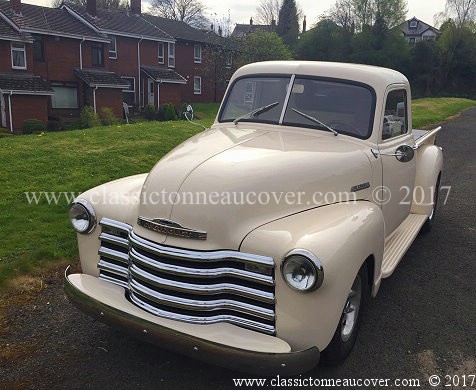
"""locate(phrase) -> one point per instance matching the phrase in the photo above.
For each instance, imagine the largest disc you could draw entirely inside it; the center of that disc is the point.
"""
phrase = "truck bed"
(422, 137)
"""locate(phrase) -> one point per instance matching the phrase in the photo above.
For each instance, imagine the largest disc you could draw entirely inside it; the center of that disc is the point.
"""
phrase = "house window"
(18, 55)
(38, 49)
(161, 52)
(129, 94)
(229, 59)
(97, 54)
(113, 48)
(428, 38)
(66, 95)
(413, 23)
(197, 85)
(197, 54)
(412, 41)
(172, 55)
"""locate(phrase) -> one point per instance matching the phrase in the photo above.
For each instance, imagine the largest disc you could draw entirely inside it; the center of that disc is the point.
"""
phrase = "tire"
(346, 333)
(430, 220)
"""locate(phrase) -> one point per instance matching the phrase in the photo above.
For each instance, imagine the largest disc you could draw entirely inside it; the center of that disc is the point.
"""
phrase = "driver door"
(398, 177)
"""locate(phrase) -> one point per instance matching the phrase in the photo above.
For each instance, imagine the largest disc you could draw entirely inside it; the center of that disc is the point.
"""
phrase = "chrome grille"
(201, 287)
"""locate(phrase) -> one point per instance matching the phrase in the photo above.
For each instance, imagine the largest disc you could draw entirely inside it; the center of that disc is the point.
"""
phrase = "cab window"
(395, 120)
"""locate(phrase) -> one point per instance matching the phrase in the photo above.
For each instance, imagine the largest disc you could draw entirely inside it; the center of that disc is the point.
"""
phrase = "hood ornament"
(171, 228)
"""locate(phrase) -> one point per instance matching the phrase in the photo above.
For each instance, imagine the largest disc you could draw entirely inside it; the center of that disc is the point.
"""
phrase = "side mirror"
(405, 153)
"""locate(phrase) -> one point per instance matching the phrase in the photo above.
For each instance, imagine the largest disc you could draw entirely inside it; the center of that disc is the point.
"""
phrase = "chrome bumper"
(262, 363)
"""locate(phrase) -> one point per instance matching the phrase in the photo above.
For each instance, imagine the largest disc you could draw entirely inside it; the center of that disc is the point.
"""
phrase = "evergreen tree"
(288, 24)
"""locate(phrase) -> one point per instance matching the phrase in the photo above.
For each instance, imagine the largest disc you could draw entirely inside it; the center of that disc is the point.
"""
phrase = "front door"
(150, 94)
(398, 177)
(3, 114)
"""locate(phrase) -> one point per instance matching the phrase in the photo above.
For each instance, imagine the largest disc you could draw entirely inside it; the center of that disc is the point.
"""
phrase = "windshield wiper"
(315, 120)
(258, 111)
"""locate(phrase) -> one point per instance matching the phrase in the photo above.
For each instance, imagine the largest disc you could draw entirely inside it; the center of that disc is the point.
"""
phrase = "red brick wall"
(26, 107)
(109, 97)
(171, 93)
(61, 58)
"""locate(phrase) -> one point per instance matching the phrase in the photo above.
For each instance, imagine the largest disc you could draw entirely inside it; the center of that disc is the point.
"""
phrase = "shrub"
(107, 116)
(53, 125)
(88, 118)
(149, 112)
(33, 126)
(167, 112)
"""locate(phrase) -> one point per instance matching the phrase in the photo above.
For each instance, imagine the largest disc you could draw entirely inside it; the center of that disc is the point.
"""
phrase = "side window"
(395, 120)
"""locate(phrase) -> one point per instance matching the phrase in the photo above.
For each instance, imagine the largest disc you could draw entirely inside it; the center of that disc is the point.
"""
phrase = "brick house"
(54, 61)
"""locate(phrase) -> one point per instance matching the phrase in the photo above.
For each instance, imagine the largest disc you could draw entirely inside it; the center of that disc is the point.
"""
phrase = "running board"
(398, 243)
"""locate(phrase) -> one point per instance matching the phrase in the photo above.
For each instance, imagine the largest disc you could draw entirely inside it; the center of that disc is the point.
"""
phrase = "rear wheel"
(349, 324)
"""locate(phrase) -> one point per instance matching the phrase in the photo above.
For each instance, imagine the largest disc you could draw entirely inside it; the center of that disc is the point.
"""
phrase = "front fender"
(342, 236)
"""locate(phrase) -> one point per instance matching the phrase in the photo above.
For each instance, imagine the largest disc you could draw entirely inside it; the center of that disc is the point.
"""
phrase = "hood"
(228, 181)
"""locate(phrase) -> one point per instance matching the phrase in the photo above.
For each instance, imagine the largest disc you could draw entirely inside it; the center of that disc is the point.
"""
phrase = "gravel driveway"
(421, 323)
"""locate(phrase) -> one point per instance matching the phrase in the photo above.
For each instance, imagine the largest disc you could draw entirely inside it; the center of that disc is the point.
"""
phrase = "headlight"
(82, 216)
(302, 270)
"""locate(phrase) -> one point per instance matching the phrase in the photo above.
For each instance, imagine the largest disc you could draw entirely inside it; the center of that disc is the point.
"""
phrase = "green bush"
(149, 112)
(167, 112)
(89, 118)
(107, 117)
(33, 126)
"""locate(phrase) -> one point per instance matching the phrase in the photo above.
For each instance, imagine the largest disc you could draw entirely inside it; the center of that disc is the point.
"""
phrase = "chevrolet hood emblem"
(171, 228)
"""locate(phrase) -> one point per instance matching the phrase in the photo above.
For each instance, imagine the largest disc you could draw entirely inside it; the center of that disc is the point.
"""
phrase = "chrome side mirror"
(405, 153)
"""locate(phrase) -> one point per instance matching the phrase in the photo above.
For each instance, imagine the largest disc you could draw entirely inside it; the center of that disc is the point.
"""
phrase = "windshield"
(344, 107)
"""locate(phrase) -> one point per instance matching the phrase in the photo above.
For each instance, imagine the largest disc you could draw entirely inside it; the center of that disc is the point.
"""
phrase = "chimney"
(16, 6)
(251, 21)
(136, 7)
(91, 7)
(304, 24)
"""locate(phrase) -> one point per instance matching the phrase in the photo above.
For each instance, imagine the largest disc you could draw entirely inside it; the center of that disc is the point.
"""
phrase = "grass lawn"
(431, 112)
(33, 235)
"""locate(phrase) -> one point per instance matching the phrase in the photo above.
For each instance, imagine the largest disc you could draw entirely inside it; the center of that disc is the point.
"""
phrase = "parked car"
(275, 281)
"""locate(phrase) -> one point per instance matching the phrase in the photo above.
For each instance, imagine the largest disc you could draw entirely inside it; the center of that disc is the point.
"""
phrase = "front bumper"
(220, 344)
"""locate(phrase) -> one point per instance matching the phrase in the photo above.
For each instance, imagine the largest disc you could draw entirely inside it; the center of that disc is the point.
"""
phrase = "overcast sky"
(241, 10)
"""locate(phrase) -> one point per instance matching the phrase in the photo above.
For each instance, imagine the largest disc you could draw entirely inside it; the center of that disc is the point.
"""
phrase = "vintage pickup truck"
(305, 205)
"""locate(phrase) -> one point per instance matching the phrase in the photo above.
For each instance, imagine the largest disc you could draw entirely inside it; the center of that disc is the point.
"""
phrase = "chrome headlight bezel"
(311, 261)
(85, 207)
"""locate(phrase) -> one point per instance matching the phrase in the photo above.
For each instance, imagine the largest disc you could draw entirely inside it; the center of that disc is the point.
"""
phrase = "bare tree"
(268, 11)
(191, 12)
(461, 10)
(342, 13)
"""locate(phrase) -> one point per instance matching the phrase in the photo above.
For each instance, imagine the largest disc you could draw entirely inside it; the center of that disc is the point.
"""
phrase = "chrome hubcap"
(351, 309)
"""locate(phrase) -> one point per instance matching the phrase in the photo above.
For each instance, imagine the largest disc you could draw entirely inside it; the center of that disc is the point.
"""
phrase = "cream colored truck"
(264, 283)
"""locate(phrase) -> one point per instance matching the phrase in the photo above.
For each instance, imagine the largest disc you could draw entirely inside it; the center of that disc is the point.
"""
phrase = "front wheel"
(349, 324)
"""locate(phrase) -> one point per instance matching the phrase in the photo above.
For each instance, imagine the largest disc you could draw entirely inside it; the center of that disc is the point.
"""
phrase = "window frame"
(113, 53)
(388, 92)
(197, 59)
(197, 91)
(38, 42)
(70, 85)
(160, 58)
(18, 49)
(413, 24)
(96, 46)
(133, 91)
(171, 55)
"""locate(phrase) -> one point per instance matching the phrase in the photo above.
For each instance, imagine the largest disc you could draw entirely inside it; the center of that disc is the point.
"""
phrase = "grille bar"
(209, 289)
(255, 325)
